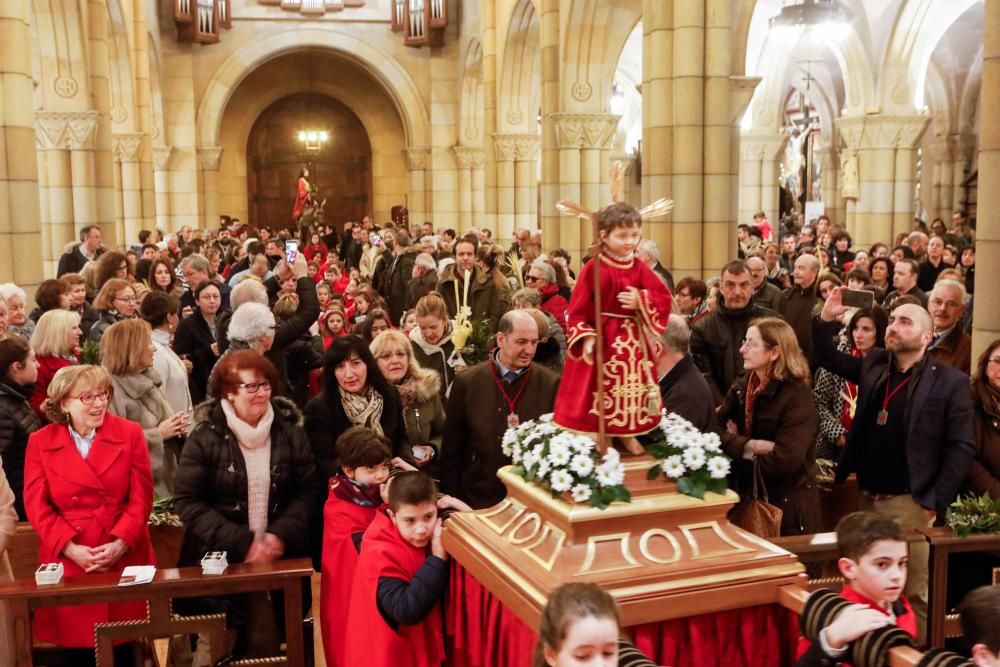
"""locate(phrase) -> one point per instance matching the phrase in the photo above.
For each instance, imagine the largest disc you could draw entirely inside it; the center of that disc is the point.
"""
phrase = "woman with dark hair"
(18, 373)
(51, 294)
(115, 302)
(376, 322)
(195, 338)
(841, 254)
(691, 297)
(163, 278)
(984, 474)
(881, 269)
(836, 398)
(355, 393)
(111, 264)
(878, 250)
(246, 484)
(160, 310)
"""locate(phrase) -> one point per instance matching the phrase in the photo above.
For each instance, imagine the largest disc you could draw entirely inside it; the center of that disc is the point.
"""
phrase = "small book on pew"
(214, 562)
(48, 574)
(134, 575)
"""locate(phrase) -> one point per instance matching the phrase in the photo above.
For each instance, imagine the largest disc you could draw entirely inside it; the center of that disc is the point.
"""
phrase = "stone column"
(658, 115)
(941, 152)
(487, 17)
(470, 161)
(97, 168)
(831, 197)
(417, 160)
(986, 313)
(209, 159)
(717, 228)
(965, 146)
(503, 149)
(525, 154)
(759, 156)
(126, 148)
(550, 187)
(20, 230)
(161, 182)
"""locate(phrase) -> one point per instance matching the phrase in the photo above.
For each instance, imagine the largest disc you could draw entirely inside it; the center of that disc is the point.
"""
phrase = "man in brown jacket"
(485, 298)
(800, 300)
(487, 399)
(950, 345)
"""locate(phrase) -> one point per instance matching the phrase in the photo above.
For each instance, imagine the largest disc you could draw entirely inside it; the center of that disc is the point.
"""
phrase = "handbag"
(754, 513)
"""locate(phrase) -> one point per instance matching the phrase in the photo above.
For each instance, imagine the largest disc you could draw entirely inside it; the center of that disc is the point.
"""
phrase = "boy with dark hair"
(395, 618)
(979, 614)
(873, 559)
(363, 465)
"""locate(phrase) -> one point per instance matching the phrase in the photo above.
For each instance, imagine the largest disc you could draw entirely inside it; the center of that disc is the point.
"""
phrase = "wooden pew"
(21, 597)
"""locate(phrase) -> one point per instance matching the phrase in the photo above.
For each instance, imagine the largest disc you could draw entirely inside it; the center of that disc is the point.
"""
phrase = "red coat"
(341, 521)
(301, 196)
(554, 304)
(92, 502)
(370, 640)
(47, 367)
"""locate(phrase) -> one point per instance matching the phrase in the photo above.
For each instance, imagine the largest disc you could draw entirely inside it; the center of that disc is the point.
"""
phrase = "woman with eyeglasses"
(246, 485)
(56, 342)
(196, 337)
(115, 302)
(88, 491)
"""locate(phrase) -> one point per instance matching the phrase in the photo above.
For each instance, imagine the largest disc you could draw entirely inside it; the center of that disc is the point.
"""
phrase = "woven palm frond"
(572, 208)
(657, 208)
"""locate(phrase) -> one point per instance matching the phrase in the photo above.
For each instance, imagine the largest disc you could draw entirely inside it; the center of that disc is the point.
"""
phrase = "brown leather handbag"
(754, 513)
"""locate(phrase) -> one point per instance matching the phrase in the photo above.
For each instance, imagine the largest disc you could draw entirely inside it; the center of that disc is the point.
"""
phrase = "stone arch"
(124, 115)
(382, 68)
(63, 76)
(521, 72)
(595, 34)
(471, 103)
(968, 120)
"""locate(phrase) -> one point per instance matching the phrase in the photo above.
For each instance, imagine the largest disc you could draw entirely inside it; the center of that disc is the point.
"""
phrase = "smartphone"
(291, 251)
(858, 298)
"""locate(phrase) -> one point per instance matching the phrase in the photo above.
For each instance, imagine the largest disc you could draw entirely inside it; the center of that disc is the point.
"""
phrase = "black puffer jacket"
(17, 422)
(211, 486)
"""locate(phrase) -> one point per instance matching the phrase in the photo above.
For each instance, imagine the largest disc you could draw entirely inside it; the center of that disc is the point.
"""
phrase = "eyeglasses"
(89, 398)
(994, 361)
(530, 278)
(125, 299)
(684, 294)
(253, 387)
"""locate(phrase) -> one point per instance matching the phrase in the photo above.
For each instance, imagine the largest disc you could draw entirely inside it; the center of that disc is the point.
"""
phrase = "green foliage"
(90, 353)
(477, 348)
(163, 514)
(970, 515)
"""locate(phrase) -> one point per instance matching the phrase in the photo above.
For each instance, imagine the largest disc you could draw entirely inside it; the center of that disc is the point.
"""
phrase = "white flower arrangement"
(565, 463)
(692, 458)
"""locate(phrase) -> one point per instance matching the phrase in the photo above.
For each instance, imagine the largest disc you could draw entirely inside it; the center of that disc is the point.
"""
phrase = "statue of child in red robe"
(635, 305)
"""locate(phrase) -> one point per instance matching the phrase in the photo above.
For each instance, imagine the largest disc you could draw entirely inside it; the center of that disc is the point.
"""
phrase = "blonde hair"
(432, 304)
(106, 297)
(285, 306)
(82, 378)
(50, 336)
(123, 344)
(791, 363)
(390, 337)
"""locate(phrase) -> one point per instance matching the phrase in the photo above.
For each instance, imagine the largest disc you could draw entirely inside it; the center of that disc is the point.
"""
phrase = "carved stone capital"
(125, 146)
(70, 130)
(516, 147)
(161, 156)
(585, 130)
(417, 157)
(756, 147)
(209, 157)
(468, 157)
(878, 131)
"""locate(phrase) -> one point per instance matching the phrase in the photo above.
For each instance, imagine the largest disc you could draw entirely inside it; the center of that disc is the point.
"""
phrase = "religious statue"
(849, 186)
(617, 311)
(303, 194)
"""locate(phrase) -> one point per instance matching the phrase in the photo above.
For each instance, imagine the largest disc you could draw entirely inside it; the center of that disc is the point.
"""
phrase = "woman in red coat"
(88, 492)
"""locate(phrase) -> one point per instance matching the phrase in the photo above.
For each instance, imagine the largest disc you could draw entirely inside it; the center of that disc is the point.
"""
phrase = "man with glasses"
(950, 344)
(542, 277)
(88, 249)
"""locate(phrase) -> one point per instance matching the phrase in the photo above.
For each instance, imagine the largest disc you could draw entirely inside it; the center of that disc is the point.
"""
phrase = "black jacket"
(105, 318)
(665, 276)
(303, 356)
(290, 330)
(73, 261)
(17, 422)
(397, 283)
(194, 339)
(686, 393)
(187, 298)
(939, 417)
(715, 344)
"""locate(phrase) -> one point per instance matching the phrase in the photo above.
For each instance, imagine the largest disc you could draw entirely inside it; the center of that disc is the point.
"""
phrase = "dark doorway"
(341, 169)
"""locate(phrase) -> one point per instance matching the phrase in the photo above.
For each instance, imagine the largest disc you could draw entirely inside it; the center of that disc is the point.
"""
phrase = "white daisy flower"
(561, 481)
(711, 442)
(529, 461)
(559, 454)
(694, 458)
(543, 468)
(581, 493)
(718, 467)
(546, 417)
(582, 465)
(605, 477)
(673, 467)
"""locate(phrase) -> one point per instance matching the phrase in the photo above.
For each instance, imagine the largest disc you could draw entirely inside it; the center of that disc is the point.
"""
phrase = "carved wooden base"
(664, 555)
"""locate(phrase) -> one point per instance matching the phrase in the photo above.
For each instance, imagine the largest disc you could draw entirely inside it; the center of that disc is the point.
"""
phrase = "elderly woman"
(246, 485)
(423, 411)
(354, 394)
(195, 338)
(88, 491)
(252, 328)
(771, 423)
(51, 294)
(431, 340)
(18, 372)
(18, 323)
(127, 354)
(984, 474)
(115, 302)
(56, 342)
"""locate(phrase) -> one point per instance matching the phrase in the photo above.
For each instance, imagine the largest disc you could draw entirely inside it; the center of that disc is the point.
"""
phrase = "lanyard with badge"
(512, 419)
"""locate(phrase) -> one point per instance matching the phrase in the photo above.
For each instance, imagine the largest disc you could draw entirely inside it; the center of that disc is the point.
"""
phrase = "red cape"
(370, 640)
(342, 520)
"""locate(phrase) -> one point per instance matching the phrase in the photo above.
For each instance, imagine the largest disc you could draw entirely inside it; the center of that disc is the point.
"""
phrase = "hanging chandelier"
(810, 14)
(313, 140)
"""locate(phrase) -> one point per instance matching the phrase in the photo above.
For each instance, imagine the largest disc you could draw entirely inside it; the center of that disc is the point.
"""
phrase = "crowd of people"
(272, 393)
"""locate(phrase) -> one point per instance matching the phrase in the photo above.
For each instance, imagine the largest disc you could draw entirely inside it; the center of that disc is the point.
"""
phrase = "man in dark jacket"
(485, 298)
(423, 279)
(911, 441)
(904, 279)
(950, 345)
(716, 338)
(649, 254)
(398, 274)
(764, 291)
(485, 401)
(89, 248)
(800, 300)
(684, 389)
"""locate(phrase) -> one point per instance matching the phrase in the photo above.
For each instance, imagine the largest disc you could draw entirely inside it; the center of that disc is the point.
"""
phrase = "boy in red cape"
(873, 558)
(355, 495)
(395, 618)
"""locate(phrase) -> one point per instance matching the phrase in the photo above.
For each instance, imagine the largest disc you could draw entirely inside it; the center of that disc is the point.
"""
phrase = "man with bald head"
(911, 441)
(506, 390)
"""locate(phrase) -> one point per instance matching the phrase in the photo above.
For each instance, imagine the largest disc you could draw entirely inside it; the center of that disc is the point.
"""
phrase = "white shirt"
(82, 442)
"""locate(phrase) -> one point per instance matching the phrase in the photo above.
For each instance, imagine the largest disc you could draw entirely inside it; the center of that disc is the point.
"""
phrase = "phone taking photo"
(291, 252)
(858, 298)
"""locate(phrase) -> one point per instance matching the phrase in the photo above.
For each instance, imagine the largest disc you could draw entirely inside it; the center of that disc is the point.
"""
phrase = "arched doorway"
(341, 169)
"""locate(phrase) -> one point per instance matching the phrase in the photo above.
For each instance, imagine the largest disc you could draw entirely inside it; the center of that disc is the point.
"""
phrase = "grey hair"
(652, 248)
(812, 260)
(549, 274)
(954, 284)
(7, 290)
(529, 294)
(196, 262)
(250, 323)
(248, 290)
(425, 261)
(677, 335)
